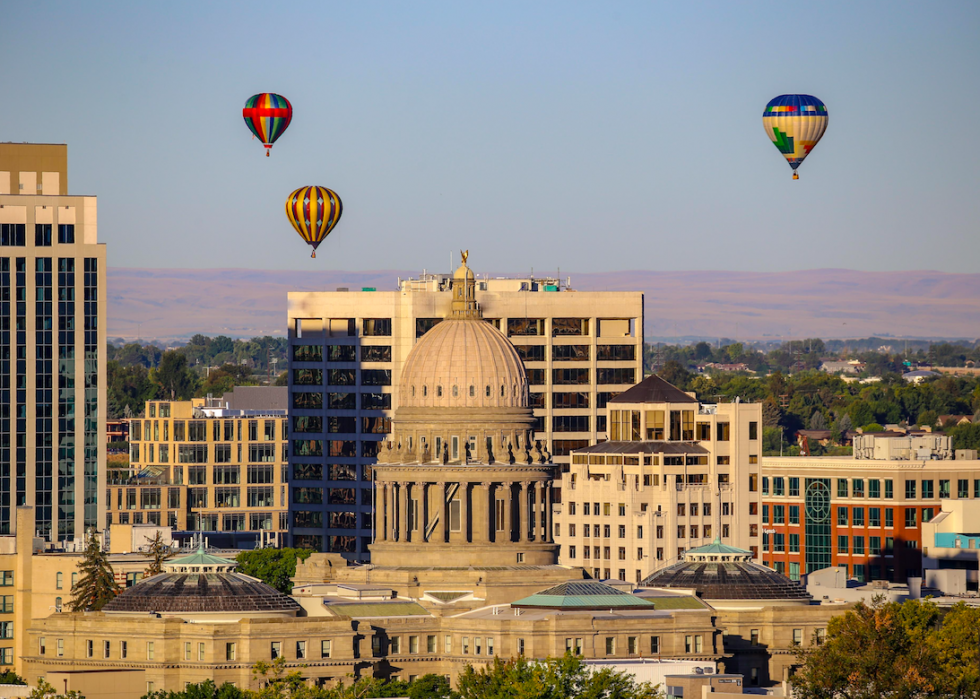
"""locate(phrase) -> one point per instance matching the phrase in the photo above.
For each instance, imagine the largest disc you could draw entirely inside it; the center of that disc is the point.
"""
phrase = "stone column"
(522, 509)
(549, 523)
(464, 510)
(508, 489)
(488, 504)
(443, 527)
(402, 511)
(538, 511)
(423, 510)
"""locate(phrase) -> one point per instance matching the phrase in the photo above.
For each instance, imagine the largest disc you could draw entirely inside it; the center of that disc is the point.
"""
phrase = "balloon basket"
(313, 255)
(796, 176)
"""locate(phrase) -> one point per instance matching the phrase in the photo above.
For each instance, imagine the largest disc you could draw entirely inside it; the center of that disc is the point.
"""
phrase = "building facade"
(52, 340)
(864, 514)
(348, 349)
(207, 468)
(675, 474)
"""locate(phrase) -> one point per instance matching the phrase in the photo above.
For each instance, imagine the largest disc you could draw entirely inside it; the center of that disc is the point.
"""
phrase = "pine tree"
(97, 584)
(159, 553)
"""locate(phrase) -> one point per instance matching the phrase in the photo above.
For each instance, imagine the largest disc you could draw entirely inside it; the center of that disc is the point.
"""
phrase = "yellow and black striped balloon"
(314, 211)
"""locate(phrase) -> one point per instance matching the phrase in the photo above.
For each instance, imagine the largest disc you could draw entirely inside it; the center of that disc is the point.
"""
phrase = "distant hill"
(829, 303)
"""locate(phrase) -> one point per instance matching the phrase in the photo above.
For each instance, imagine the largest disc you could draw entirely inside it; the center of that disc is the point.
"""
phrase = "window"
(889, 489)
(944, 488)
(859, 546)
(927, 490)
(200, 652)
(794, 543)
(655, 645)
(910, 517)
(874, 488)
(889, 517)
(230, 651)
(150, 654)
(187, 650)
(842, 487)
(910, 490)
(610, 645)
(58, 580)
(430, 645)
(300, 650)
(857, 488)
(874, 516)
(466, 645)
(275, 649)
(962, 488)
(842, 544)
(89, 648)
(794, 514)
(61, 647)
(797, 637)
(857, 517)
(777, 485)
(754, 637)
(376, 327)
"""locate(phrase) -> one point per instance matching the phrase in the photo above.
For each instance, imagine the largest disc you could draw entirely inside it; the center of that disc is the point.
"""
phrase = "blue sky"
(581, 136)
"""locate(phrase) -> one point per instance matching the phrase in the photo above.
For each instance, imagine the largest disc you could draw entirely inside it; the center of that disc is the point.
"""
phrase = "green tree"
(127, 389)
(818, 421)
(174, 377)
(882, 649)
(274, 567)
(675, 374)
(11, 677)
(553, 678)
(44, 690)
(430, 687)
(97, 584)
(159, 552)
(204, 690)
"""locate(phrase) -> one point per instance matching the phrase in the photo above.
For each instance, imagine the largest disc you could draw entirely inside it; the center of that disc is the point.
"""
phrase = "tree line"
(137, 373)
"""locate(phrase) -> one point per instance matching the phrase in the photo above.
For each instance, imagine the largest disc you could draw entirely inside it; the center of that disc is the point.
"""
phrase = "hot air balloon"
(267, 115)
(314, 211)
(795, 124)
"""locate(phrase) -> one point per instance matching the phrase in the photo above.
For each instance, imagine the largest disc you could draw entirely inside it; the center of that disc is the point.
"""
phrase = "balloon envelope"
(795, 124)
(314, 211)
(267, 115)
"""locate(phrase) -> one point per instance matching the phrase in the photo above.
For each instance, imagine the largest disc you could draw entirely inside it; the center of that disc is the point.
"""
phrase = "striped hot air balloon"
(314, 211)
(795, 124)
(267, 115)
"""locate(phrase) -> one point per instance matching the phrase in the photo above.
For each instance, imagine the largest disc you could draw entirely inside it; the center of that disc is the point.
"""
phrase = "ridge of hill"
(829, 303)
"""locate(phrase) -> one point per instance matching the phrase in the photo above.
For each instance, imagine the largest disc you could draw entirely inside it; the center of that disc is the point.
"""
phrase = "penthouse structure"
(675, 474)
(348, 350)
(52, 340)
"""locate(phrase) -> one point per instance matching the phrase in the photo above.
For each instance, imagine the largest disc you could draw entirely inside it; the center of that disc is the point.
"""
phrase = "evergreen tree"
(97, 584)
(159, 553)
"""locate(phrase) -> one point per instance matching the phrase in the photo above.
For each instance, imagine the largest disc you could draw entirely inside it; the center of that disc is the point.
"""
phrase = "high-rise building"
(214, 466)
(52, 339)
(676, 474)
(348, 348)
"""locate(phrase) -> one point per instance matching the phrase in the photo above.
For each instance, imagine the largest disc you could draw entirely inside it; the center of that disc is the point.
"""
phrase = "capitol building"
(464, 568)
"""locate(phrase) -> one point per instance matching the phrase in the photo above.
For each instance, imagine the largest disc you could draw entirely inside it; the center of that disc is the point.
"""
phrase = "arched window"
(472, 391)
(439, 391)
(57, 604)
(501, 390)
(455, 391)
(488, 390)
(413, 391)
(425, 391)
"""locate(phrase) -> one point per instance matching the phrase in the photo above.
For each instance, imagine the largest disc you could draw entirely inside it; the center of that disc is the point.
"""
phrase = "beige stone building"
(52, 340)
(348, 350)
(36, 582)
(214, 468)
(675, 474)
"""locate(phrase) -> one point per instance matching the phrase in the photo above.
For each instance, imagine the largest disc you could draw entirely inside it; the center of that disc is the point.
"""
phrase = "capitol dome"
(463, 363)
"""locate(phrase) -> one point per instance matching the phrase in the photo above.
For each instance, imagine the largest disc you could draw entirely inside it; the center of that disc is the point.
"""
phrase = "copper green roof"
(717, 547)
(584, 595)
(377, 609)
(200, 558)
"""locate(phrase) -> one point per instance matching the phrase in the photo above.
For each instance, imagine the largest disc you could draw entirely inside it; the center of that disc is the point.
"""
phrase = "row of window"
(197, 430)
(342, 401)
(200, 453)
(15, 234)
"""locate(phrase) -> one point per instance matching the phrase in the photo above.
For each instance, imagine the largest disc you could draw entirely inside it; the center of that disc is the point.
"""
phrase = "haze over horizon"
(572, 135)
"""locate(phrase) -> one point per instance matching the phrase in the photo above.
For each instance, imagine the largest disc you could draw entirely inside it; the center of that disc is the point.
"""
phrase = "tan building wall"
(580, 349)
(34, 168)
(653, 511)
(34, 585)
(51, 260)
(209, 474)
